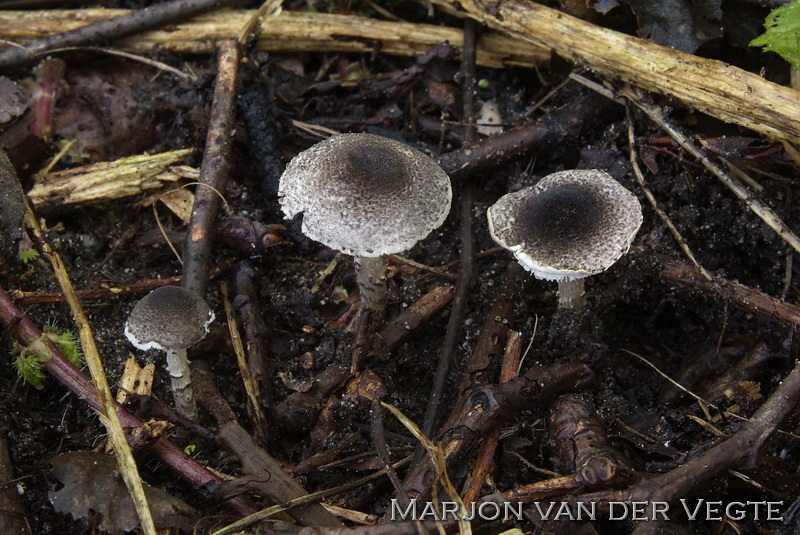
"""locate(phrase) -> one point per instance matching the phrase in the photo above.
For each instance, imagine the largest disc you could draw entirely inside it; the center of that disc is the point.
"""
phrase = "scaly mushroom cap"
(571, 224)
(365, 195)
(169, 318)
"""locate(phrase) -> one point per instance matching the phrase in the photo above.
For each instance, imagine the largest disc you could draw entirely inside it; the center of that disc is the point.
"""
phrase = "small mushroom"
(570, 225)
(366, 196)
(172, 319)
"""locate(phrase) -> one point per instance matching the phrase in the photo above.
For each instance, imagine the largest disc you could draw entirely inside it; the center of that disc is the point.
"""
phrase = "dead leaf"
(91, 484)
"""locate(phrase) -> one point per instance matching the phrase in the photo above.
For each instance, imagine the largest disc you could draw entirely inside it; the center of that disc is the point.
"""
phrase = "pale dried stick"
(763, 211)
(759, 208)
(110, 419)
(250, 384)
(637, 171)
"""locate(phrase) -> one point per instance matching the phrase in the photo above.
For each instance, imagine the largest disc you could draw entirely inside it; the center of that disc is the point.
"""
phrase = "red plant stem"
(25, 331)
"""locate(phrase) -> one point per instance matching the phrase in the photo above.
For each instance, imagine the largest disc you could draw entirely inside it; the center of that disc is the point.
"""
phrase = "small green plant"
(782, 34)
(30, 359)
(28, 255)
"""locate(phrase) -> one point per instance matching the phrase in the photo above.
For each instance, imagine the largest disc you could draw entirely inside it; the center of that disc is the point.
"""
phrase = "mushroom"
(366, 196)
(570, 225)
(172, 319)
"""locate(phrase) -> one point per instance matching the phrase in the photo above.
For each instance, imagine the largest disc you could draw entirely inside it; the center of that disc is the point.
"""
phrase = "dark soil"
(691, 335)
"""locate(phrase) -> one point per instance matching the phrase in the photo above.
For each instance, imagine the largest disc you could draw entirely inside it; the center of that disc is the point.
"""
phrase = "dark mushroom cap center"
(378, 171)
(562, 215)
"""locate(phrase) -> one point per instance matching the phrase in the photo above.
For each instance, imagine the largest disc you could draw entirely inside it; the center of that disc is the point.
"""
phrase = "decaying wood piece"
(287, 32)
(267, 474)
(580, 440)
(125, 24)
(713, 87)
(486, 406)
(512, 358)
(105, 181)
(731, 292)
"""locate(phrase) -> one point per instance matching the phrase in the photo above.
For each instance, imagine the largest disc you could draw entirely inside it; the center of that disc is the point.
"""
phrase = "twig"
(551, 130)
(466, 255)
(250, 385)
(213, 172)
(533, 492)
(315, 497)
(286, 32)
(484, 360)
(298, 411)
(581, 441)
(483, 464)
(734, 293)
(24, 331)
(268, 475)
(107, 30)
(106, 402)
(756, 205)
(713, 87)
(144, 286)
(272, 480)
(637, 171)
(492, 151)
(743, 446)
(486, 406)
(128, 55)
(418, 265)
(379, 440)
(256, 332)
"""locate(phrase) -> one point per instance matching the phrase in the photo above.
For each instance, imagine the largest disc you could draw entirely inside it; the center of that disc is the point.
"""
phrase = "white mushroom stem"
(570, 294)
(371, 278)
(181, 377)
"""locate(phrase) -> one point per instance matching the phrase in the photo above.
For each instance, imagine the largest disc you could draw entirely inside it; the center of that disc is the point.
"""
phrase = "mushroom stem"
(181, 379)
(570, 294)
(371, 278)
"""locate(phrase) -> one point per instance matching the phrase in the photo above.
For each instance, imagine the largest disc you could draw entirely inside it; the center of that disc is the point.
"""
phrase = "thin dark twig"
(256, 332)
(213, 172)
(107, 30)
(379, 439)
(466, 257)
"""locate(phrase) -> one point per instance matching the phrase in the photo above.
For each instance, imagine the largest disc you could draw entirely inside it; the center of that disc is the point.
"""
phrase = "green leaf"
(66, 343)
(30, 369)
(783, 33)
(28, 255)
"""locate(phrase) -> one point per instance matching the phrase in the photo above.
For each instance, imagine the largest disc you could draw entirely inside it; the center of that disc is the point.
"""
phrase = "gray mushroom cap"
(570, 225)
(365, 195)
(169, 318)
